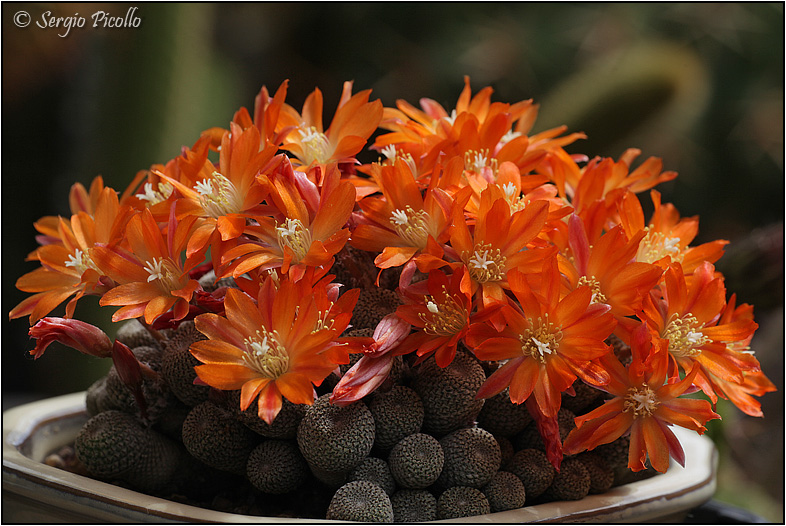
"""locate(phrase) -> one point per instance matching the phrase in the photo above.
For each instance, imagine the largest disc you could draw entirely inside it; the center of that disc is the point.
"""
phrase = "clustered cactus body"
(337, 450)
(442, 333)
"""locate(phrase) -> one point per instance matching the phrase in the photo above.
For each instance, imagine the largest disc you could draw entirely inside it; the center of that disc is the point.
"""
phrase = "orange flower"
(644, 404)
(404, 224)
(608, 268)
(353, 123)
(602, 178)
(307, 230)
(548, 341)
(151, 275)
(478, 131)
(266, 114)
(686, 318)
(223, 196)
(276, 347)
(496, 243)
(667, 236)
(754, 382)
(67, 268)
(442, 315)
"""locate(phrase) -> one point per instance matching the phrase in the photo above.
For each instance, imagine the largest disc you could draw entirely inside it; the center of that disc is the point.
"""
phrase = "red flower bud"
(82, 336)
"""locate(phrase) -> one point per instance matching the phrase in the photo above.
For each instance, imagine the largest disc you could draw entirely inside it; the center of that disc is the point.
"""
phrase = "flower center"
(485, 264)
(218, 196)
(541, 339)
(476, 161)
(411, 226)
(450, 119)
(392, 155)
(80, 262)
(444, 319)
(165, 271)
(511, 192)
(509, 136)
(265, 354)
(684, 335)
(641, 401)
(592, 283)
(656, 246)
(154, 197)
(293, 235)
(315, 145)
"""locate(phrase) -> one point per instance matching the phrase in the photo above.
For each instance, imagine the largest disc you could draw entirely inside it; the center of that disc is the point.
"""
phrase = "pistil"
(641, 401)
(411, 226)
(485, 264)
(684, 335)
(218, 196)
(295, 236)
(265, 354)
(541, 340)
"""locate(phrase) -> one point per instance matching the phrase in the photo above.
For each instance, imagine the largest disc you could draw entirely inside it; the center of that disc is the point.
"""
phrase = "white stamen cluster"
(656, 246)
(163, 270)
(294, 235)
(314, 144)
(156, 196)
(641, 402)
(80, 262)
(446, 318)
(485, 264)
(541, 339)
(265, 354)
(411, 226)
(476, 161)
(684, 335)
(218, 196)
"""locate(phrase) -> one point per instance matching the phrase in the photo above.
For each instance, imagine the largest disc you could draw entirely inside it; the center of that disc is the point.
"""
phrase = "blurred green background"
(698, 84)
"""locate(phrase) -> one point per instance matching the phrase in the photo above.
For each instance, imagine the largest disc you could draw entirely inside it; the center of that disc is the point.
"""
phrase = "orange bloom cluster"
(503, 244)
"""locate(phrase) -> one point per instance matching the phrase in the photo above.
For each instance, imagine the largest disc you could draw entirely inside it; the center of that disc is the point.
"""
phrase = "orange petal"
(394, 256)
(225, 377)
(269, 402)
(296, 388)
(230, 226)
(250, 391)
(334, 211)
(655, 443)
(216, 352)
(524, 380)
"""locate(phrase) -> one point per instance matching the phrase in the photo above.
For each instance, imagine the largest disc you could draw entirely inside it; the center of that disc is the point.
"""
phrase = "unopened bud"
(82, 336)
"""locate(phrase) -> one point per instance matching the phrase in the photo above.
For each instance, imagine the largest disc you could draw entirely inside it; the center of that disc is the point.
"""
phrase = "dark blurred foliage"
(698, 84)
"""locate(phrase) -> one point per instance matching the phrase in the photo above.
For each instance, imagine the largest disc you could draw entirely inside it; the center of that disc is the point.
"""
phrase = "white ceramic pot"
(34, 492)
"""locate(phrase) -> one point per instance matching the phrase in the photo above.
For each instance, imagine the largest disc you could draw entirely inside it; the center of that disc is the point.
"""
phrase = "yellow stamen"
(684, 335)
(592, 283)
(314, 144)
(411, 226)
(656, 246)
(641, 402)
(541, 339)
(218, 196)
(323, 323)
(265, 354)
(295, 236)
(446, 319)
(485, 264)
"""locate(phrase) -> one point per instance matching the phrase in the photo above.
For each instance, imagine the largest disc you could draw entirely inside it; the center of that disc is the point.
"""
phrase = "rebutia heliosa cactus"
(425, 336)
